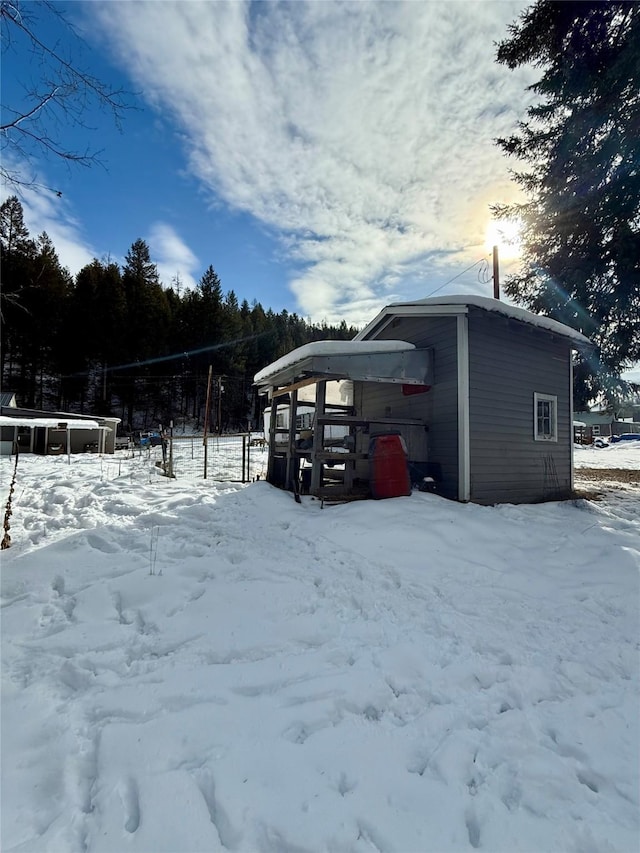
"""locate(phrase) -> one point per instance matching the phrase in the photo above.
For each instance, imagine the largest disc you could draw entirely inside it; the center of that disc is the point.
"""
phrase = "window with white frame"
(595, 429)
(545, 417)
(304, 420)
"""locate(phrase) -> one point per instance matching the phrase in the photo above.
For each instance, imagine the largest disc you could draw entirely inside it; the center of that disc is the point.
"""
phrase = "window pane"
(545, 419)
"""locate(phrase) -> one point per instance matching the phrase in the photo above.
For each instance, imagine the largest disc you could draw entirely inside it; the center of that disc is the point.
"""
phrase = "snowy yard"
(206, 666)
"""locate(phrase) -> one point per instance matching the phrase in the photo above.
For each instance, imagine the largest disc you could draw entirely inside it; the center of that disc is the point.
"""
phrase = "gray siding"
(508, 363)
(439, 407)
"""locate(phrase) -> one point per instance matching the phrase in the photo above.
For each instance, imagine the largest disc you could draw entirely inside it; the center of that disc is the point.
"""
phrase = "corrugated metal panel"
(508, 363)
(409, 365)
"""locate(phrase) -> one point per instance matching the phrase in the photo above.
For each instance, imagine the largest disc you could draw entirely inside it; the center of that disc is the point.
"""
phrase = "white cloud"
(362, 132)
(44, 210)
(172, 256)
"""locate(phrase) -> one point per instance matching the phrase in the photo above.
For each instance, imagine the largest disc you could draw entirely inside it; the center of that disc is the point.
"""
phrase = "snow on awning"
(367, 361)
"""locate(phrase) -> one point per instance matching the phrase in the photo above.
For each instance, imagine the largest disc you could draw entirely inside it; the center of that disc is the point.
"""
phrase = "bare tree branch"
(26, 116)
(37, 125)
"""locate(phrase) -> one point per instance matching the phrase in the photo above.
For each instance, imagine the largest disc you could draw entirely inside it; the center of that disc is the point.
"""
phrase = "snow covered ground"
(624, 455)
(207, 666)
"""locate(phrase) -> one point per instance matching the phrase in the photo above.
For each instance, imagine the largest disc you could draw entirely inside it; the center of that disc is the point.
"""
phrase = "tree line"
(114, 341)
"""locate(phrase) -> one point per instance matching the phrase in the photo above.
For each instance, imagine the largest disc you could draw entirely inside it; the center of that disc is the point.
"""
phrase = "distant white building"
(46, 433)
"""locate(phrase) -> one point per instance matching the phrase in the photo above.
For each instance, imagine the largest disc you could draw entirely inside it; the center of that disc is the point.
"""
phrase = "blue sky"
(327, 158)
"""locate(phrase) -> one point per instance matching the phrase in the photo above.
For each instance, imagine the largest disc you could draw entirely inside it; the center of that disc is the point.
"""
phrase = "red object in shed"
(388, 468)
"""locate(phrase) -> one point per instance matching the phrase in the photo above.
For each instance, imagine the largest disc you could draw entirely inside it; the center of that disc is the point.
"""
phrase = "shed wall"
(385, 400)
(508, 363)
(439, 407)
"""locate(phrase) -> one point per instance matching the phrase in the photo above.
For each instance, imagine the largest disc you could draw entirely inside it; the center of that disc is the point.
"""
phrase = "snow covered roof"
(458, 304)
(308, 354)
(52, 423)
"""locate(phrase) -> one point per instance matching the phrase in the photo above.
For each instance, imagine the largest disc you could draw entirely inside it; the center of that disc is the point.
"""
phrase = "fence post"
(171, 449)
(244, 457)
(206, 421)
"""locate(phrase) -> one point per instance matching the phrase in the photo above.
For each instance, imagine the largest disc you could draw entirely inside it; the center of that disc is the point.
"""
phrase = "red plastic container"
(388, 468)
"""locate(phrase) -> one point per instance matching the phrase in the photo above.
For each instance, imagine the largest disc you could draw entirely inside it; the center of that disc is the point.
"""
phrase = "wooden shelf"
(350, 420)
(325, 455)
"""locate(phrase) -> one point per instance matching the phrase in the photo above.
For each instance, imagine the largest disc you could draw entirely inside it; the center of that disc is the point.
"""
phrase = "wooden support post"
(292, 468)
(318, 438)
(272, 439)
(349, 468)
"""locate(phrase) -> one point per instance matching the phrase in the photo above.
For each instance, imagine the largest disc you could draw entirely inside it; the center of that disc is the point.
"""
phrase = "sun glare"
(504, 233)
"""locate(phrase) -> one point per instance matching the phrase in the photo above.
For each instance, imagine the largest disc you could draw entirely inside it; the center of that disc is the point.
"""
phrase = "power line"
(173, 357)
(475, 263)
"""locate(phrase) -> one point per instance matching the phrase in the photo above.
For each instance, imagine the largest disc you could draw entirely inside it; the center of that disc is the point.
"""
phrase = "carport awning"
(365, 361)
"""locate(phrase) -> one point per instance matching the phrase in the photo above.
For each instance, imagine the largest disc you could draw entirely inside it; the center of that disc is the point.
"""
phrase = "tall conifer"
(580, 153)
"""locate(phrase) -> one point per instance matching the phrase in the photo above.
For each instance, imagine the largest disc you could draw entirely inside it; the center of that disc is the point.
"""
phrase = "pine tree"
(147, 327)
(14, 234)
(17, 251)
(46, 301)
(147, 307)
(93, 325)
(580, 146)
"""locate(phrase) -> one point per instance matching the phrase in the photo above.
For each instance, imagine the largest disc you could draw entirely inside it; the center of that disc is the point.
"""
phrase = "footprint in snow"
(101, 544)
(128, 791)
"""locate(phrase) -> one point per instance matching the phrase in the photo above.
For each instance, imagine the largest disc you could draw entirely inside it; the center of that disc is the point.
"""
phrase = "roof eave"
(408, 310)
(578, 341)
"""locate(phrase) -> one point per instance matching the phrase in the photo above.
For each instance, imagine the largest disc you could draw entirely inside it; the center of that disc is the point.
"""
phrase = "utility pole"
(496, 274)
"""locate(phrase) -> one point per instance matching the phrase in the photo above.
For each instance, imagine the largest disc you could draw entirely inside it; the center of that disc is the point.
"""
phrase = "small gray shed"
(485, 405)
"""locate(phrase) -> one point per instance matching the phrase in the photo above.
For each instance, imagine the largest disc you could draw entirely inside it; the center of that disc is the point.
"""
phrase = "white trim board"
(464, 452)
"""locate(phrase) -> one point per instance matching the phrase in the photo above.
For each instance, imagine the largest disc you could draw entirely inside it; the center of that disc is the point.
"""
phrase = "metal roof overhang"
(406, 367)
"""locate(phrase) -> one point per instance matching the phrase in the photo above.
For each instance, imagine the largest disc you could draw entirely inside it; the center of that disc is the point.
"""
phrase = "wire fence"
(226, 458)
